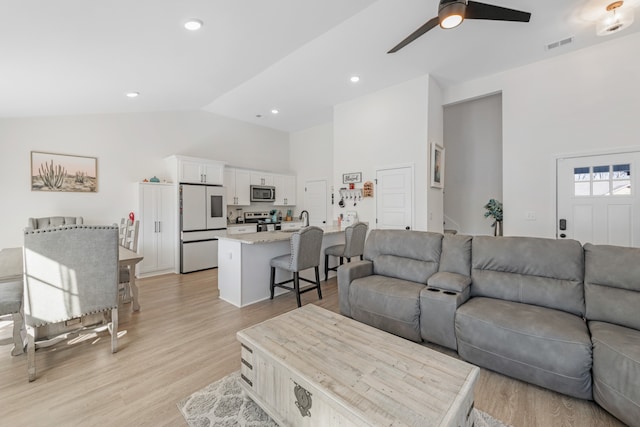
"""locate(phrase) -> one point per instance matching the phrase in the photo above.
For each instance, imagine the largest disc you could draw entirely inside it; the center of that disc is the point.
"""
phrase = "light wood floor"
(184, 339)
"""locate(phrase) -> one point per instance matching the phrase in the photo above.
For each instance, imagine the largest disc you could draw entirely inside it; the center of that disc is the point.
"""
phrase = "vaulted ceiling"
(251, 56)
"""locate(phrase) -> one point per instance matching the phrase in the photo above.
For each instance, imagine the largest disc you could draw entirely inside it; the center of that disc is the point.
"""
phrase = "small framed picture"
(351, 178)
(437, 165)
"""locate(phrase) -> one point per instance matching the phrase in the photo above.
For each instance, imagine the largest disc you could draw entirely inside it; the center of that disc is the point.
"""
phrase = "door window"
(603, 180)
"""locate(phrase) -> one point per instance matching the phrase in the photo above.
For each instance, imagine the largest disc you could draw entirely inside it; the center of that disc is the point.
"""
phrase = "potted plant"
(494, 210)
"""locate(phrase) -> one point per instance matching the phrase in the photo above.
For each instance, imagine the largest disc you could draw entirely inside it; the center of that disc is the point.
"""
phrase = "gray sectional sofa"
(549, 312)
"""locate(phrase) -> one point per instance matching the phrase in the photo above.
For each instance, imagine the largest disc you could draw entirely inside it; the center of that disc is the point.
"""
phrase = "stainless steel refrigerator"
(203, 218)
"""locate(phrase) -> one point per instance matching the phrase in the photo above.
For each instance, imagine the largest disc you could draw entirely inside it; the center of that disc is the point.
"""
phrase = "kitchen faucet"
(306, 222)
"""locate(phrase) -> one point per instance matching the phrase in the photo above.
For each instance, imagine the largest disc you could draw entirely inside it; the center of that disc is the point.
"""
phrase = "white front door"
(597, 199)
(315, 201)
(394, 198)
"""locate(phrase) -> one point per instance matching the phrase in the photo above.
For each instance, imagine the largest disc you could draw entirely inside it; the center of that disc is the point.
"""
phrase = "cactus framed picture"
(62, 172)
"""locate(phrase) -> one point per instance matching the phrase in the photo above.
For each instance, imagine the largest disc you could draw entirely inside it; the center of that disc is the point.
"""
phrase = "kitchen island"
(243, 263)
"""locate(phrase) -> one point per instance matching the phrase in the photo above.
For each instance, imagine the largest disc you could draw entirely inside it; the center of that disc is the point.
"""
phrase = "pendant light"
(616, 19)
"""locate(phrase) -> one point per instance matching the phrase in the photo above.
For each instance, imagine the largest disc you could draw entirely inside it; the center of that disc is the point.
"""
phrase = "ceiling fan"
(451, 13)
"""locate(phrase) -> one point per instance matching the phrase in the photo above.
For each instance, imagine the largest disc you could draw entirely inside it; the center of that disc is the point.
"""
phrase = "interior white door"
(315, 201)
(597, 199)
(394, 201)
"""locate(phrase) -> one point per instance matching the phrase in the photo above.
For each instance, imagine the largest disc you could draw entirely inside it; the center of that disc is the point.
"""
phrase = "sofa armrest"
(449, 281)
(347, 273)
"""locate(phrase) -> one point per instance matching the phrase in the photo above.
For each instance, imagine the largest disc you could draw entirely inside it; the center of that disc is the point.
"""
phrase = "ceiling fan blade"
(494, 13)
(417, 33)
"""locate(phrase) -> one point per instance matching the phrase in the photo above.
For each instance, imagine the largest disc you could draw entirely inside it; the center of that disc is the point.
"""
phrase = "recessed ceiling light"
(193, 24)
(133, 94)
(274, 111)
(355, 79)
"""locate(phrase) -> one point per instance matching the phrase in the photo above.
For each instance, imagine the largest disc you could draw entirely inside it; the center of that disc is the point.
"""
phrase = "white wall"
(582, 102)
(435, 196)
(129, 148)
(473, 172)
(311, 158)
(386, 128)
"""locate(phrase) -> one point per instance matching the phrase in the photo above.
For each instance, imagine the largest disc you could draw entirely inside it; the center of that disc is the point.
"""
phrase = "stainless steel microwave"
(263, 193)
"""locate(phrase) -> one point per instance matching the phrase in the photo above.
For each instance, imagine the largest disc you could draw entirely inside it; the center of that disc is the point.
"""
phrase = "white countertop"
(273, 236)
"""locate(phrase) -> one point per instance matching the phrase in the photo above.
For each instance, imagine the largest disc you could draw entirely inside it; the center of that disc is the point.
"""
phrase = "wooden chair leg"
(31, 354)
(318, 282)
(348, 259)
(296, 284)
(341, 260)
(361, 257)
(326, 268)
(114, 330)
(18, 328)
(273, 278)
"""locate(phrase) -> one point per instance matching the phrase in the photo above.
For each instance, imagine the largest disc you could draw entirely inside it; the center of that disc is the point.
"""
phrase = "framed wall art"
(351, 178)
(62, 172)
(437, 165)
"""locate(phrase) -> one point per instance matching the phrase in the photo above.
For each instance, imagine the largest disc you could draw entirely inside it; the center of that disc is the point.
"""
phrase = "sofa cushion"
(612, 284)
(456, 254)
(544, 272)
(539, 345)
(616, 370)
(387, 303)
(407, 255)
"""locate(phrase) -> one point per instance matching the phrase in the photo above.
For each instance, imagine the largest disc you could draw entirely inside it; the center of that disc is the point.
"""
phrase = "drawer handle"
(247, 380)
(303, 400)
(247, 364)
(247, 348)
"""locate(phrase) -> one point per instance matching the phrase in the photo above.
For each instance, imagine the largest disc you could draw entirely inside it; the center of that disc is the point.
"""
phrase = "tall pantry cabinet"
(157, 240)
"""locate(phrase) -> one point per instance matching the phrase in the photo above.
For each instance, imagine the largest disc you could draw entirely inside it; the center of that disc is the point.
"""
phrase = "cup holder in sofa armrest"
(452, 282)
(430, 289)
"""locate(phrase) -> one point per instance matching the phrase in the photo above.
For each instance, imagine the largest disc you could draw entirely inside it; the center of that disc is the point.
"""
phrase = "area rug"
(224, 404)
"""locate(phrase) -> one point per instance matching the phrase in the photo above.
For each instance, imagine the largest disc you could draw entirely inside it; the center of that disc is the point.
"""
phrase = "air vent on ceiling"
(559, 43)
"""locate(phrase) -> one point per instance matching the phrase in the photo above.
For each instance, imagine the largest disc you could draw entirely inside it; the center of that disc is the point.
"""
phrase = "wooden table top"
(385, 378)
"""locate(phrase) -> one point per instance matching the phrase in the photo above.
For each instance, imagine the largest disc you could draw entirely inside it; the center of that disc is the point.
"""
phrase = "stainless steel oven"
(263, 193)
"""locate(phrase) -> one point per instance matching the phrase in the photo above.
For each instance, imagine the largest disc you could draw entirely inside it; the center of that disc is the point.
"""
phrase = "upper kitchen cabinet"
(261, 178)
(285, 190)
(193, 170)
(237, 183)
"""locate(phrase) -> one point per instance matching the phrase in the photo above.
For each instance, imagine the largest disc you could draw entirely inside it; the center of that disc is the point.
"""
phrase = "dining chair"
(129, 240)
(70, 274)
(306, 245)
(354, 237)
(11, 304)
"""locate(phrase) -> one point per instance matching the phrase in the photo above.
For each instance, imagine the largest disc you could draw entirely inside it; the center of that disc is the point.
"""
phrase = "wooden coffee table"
(313, 367)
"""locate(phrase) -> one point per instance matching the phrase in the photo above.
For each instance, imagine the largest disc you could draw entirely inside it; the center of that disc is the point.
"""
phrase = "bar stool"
(306, 245)
(354, 236)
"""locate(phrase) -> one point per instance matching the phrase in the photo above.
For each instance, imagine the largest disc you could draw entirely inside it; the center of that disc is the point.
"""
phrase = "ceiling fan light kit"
(616, 19)
(451, 13)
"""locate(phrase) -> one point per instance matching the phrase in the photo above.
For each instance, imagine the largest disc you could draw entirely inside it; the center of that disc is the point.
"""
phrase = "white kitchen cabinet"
(237, 183)
(241, 229)
(195, 171)
(157, 241)
(285, 190)
(261, 178)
